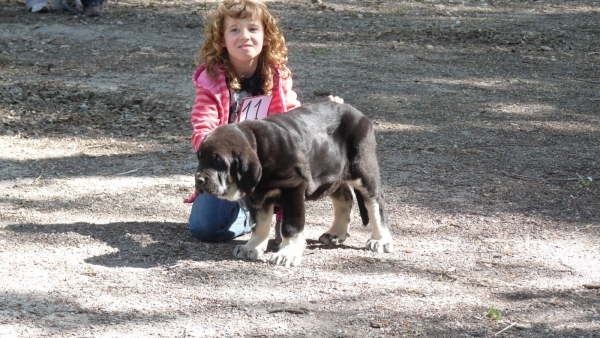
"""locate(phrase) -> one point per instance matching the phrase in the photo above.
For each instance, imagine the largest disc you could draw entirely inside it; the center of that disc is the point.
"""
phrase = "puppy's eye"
(217, 159)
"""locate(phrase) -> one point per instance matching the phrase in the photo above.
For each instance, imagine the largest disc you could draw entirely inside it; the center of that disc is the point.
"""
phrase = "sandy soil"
(488, 123)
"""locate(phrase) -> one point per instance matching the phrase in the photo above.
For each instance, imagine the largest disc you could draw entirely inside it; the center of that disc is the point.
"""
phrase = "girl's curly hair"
(273, 55)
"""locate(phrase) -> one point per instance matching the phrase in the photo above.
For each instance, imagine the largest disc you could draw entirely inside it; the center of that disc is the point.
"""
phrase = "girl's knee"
(204, 231)
(214, 220)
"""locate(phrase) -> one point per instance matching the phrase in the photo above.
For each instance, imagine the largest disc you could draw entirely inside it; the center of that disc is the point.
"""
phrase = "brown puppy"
(325, 149)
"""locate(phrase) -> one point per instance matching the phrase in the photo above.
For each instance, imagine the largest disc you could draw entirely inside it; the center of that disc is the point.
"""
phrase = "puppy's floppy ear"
(249, 170)
(199, 191)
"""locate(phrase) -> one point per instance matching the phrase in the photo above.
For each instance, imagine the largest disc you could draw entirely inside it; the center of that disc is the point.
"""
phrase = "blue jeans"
(86, 3)
(215, 220)
(31, 3)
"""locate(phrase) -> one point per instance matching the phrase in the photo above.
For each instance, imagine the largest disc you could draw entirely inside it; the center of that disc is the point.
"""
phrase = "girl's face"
(243, 39)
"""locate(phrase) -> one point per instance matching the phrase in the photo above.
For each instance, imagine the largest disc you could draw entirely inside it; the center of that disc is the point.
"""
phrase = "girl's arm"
(291, 98)
(204, 116)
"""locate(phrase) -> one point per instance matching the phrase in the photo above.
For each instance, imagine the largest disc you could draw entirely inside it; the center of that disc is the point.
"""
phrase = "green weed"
(585, 182)
(493, 313)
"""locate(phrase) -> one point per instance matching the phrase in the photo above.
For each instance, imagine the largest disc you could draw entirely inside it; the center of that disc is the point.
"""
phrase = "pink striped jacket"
(211, 108)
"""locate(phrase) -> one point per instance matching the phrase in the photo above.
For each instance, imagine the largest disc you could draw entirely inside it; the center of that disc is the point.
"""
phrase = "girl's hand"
(333, 98)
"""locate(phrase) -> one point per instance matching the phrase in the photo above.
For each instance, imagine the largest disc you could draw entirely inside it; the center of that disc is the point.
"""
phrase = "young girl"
(244, 55)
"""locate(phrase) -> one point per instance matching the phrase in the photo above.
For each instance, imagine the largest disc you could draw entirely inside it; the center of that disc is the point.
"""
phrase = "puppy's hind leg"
(381, 238)
(257, 244)
(342, 200)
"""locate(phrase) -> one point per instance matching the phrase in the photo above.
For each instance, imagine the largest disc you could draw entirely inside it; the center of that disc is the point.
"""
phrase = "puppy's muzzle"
(200, 182)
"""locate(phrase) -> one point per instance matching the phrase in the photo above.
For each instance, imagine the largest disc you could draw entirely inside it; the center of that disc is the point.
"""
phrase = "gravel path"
(488, 125)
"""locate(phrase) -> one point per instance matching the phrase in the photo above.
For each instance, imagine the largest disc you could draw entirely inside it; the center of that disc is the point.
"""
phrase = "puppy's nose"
(200, 179)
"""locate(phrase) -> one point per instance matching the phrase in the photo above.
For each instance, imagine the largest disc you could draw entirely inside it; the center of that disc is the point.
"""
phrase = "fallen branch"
(488, 262)
(187, 326)
(506, 328)
(95, 146)
(576, 79)
(127, 172)
(531, 178)
(38, 178)
(589, 227)
(294, 311)
(422, 58)
(565, 265)
(592, 286)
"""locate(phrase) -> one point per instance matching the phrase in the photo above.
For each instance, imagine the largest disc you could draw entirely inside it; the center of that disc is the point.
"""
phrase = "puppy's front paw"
(246, 252)
(286, 258)
(328, 238)
(291, 251)
(380, 245)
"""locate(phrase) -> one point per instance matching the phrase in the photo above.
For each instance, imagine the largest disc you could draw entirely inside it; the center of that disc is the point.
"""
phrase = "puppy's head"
(228, 166)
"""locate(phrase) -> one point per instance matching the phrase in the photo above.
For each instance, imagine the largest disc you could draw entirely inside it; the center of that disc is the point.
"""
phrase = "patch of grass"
(445, 278)
(355, 15)
(585, 182)
(317, 52)
(493, 313)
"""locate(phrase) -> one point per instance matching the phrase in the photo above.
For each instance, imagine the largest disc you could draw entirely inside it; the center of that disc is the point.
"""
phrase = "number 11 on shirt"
(255, 107)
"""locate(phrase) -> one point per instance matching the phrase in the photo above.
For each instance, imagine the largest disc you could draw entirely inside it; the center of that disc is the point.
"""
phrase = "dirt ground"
(488, 122)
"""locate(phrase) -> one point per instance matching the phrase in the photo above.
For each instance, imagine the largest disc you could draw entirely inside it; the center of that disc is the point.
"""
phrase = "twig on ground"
(567, 266)
(42, 173)
(290, 310)
(592, 286)
(488, 262)
(506, 328)
(576, 79)
(589, 226)
(531, 178)
(186, 328)
(127, 172)
(390, 260)
(422, 58)
(95, 146)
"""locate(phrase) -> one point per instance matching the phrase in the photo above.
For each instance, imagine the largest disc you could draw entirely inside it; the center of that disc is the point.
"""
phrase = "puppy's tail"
(364, 214)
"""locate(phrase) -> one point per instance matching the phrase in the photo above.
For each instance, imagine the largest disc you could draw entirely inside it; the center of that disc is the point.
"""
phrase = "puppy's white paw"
(380, 245)
(246, 252)
(329, 238)
(286, 258)
(290, 253)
